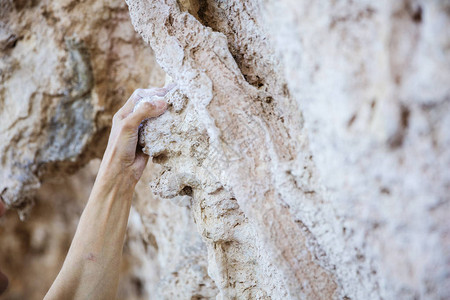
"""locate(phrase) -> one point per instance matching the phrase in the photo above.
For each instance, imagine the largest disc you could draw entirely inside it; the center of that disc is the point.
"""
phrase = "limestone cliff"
(313, 149)
(65, 68)
(305, 154)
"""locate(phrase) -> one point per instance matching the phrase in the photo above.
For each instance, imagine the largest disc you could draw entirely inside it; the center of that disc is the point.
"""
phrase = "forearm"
(92, 266)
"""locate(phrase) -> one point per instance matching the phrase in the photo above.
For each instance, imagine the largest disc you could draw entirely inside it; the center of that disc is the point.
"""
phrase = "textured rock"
(379, 137)
(65, 67)
(313, 150)
(171, 254)
(305, 154)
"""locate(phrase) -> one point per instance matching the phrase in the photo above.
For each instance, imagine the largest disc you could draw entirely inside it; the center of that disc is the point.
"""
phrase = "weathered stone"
(313, 150)
(163, 238)
(65, 67)
(305, 154)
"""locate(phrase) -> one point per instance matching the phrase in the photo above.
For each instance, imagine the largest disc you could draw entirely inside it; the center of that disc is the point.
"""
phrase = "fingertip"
(170, 86)
(154, 108)
(164, 90)
(147, 110)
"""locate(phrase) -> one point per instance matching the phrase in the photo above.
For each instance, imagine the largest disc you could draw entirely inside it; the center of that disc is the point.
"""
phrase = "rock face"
(65, 67)
(310, 143)
(171, 256)
(305, 154)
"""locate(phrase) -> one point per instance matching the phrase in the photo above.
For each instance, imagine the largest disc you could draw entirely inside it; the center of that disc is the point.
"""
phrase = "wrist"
(116, 170)
(114, 181)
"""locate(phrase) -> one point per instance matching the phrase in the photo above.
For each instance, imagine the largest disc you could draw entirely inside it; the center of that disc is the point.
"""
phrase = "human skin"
(92, 266)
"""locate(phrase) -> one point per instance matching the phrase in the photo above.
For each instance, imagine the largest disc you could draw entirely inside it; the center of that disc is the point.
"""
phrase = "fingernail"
(163, 91)
(171, 86)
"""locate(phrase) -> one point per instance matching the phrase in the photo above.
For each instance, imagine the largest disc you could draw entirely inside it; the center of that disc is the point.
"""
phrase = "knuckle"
(116, 118)
(147, 105)
(161, 91)
(137, 92)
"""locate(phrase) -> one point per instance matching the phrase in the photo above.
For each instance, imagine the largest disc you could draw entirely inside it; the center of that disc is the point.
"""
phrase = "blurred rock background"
(65, 68)
(337, 112)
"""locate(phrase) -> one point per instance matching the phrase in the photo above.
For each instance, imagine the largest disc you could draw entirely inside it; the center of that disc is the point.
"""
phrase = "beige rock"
(305, 154)
(163, 238)
(220, 151)
(65, 68)
(313, 150)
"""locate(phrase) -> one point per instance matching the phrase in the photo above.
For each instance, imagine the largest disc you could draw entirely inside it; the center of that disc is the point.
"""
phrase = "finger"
(144, 111)
(170, 86)
(137, 95)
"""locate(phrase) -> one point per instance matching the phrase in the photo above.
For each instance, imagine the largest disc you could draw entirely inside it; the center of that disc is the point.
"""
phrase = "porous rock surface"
(305, 153)
(311, 146)
(65, 68)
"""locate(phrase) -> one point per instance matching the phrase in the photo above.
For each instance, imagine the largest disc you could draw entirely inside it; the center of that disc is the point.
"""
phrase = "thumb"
(140, 162)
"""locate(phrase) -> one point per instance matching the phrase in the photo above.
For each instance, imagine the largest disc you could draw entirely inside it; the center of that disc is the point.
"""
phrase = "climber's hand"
(122, 156)
(92, 265)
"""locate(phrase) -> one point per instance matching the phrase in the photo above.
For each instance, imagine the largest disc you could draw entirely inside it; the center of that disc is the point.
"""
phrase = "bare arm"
(91, 268)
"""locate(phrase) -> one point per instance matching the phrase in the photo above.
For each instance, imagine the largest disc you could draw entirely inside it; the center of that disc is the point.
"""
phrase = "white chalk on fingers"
(151, 99)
